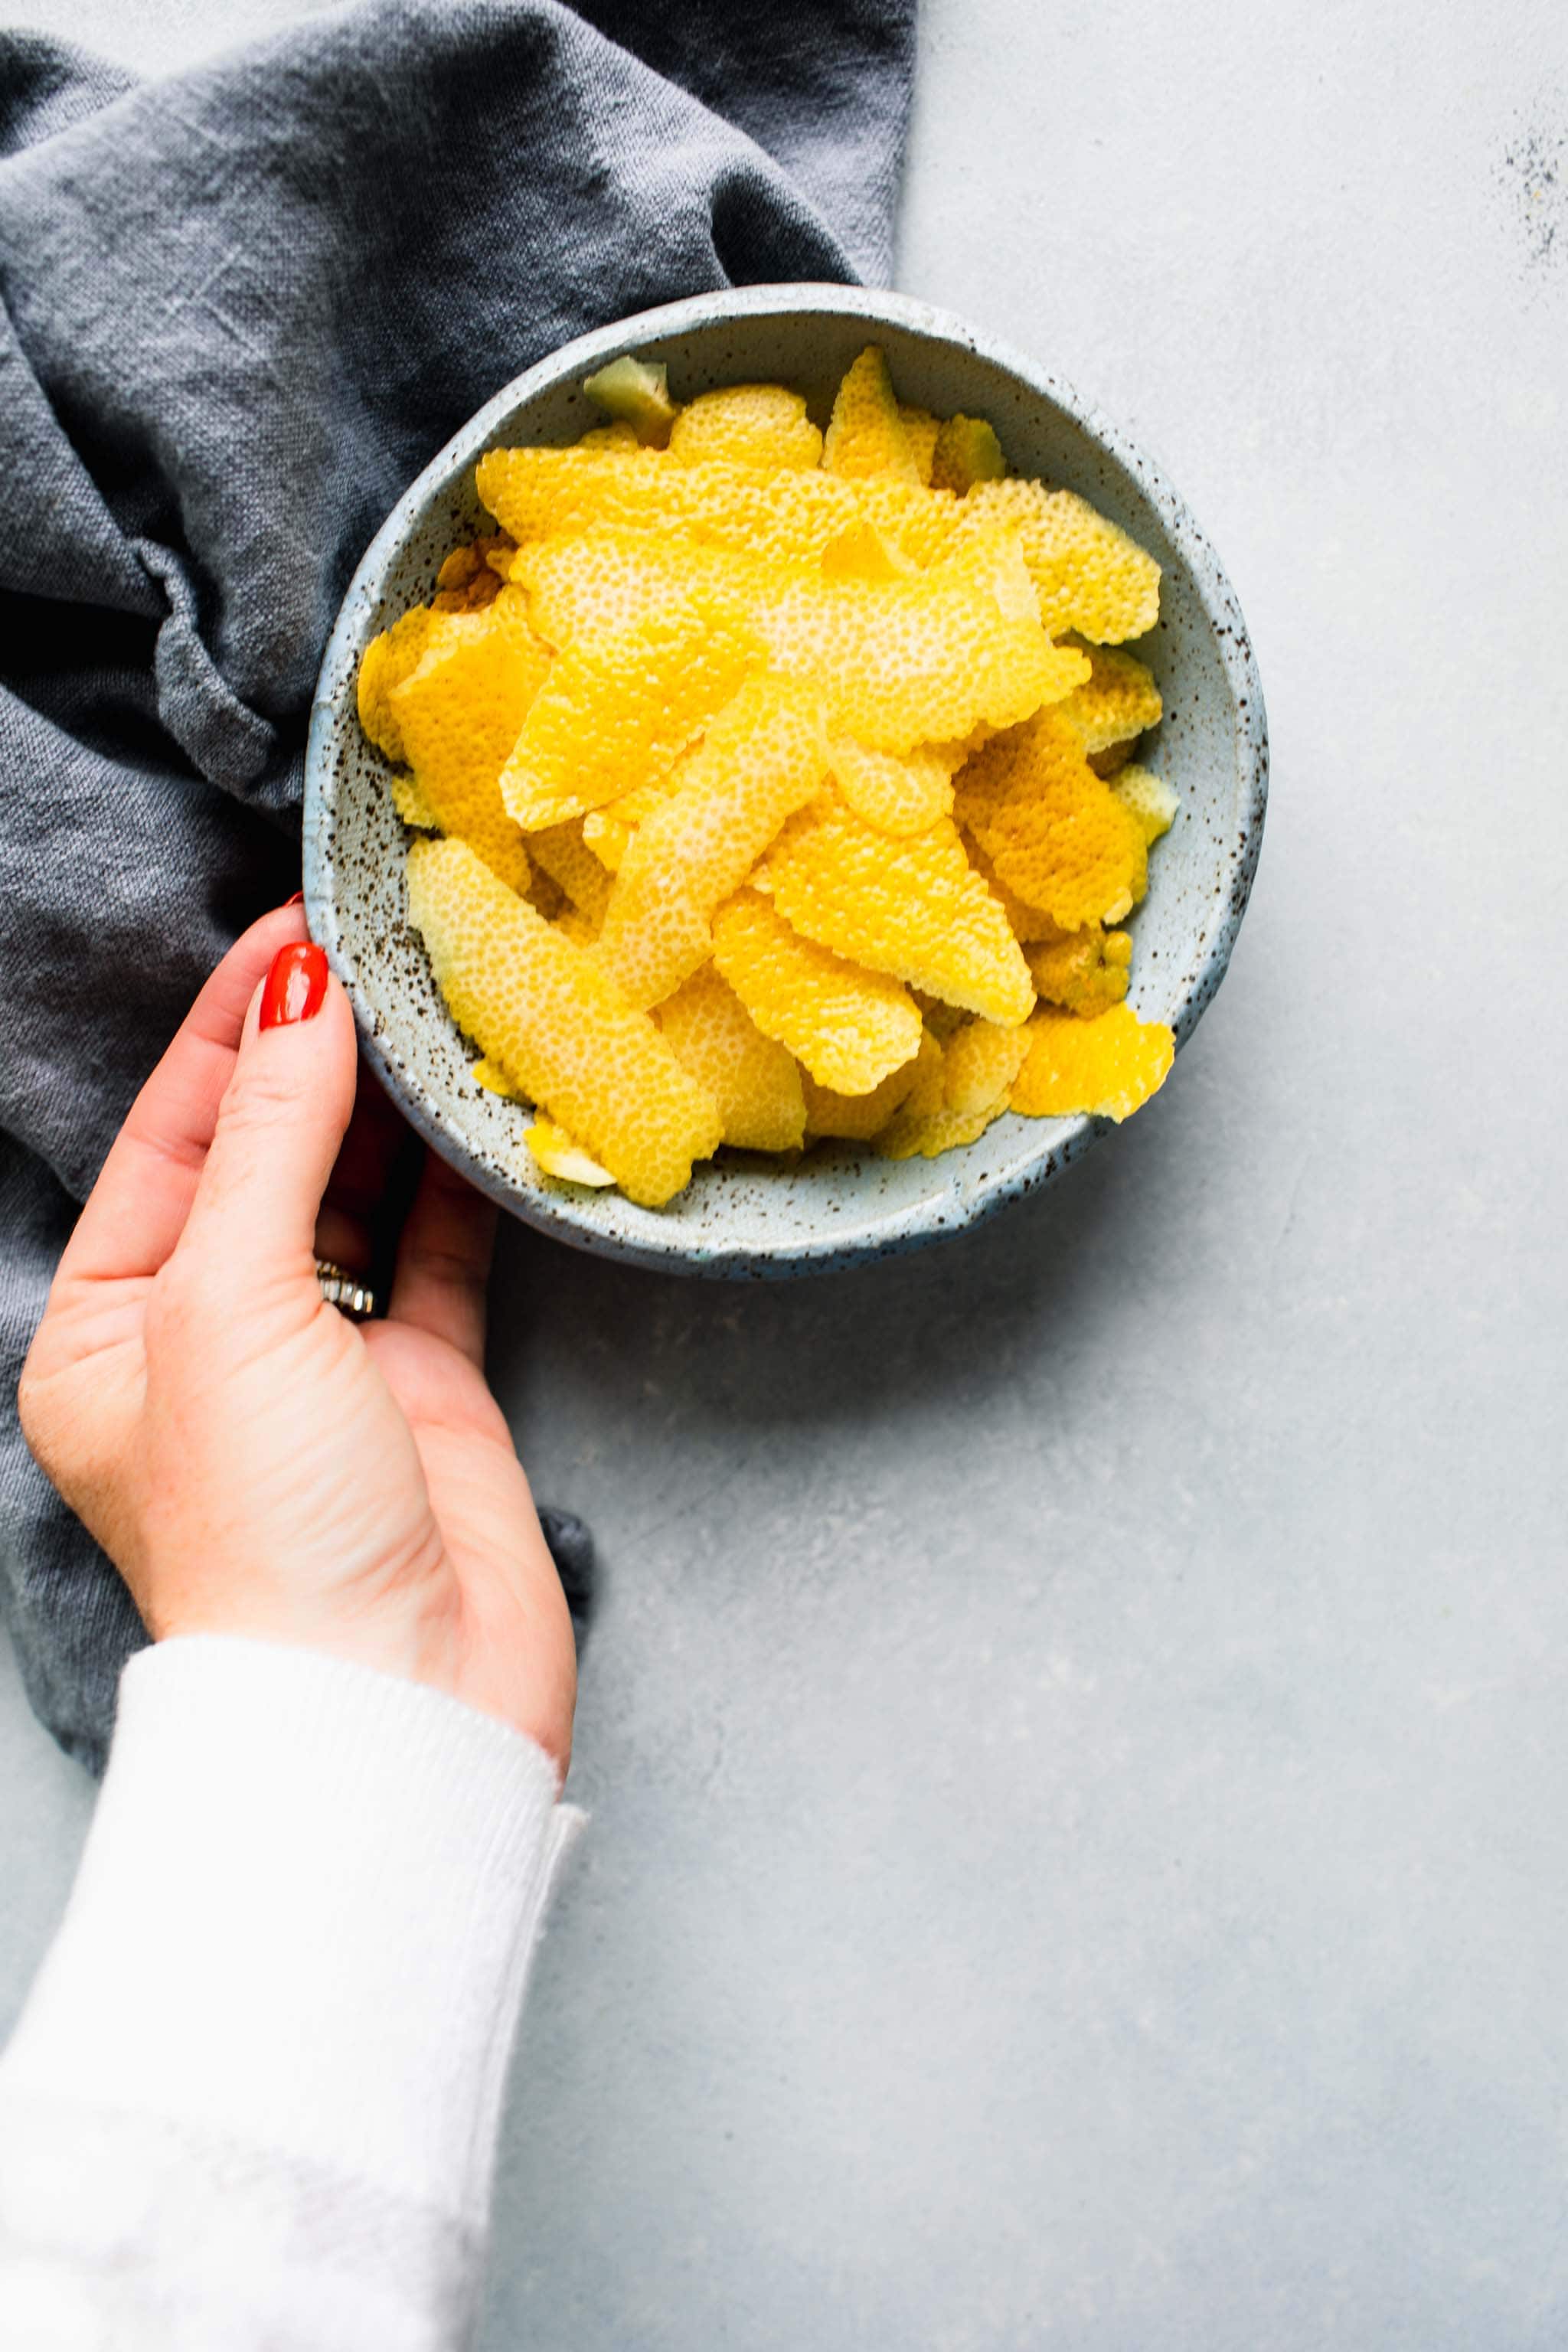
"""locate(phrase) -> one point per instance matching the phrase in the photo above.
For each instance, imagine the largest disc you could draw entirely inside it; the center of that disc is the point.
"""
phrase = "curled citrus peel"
(772, 778)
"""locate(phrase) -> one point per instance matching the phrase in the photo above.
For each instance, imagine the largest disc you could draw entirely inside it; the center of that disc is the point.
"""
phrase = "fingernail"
(296, 986)
(297, 900)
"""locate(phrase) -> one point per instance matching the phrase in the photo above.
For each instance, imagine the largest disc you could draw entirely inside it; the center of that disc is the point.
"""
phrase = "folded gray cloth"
(242, 308)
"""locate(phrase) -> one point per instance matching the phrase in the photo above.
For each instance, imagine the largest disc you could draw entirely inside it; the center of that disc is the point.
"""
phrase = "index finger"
(444, 1260)
(137, 1210)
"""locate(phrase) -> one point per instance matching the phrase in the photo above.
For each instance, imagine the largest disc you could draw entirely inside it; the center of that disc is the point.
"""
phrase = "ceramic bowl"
(742, 1215)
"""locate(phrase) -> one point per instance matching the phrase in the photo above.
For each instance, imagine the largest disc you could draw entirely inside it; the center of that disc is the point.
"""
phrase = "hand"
(252, 1462)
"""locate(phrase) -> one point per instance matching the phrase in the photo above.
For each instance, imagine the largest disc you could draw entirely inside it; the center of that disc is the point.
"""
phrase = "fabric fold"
(242, 308)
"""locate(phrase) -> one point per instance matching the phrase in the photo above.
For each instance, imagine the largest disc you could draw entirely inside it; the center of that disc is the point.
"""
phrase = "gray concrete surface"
(1076, 1728)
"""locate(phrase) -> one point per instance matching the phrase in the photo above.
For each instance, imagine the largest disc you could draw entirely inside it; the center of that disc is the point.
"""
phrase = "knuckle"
(74, 1455)
(263, 1097)
(33, 1413)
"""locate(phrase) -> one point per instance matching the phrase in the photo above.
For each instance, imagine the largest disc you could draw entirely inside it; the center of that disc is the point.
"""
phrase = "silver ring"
(344, 1291)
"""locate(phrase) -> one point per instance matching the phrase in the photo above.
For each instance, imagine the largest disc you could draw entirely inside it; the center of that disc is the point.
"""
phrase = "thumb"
(280, 1125)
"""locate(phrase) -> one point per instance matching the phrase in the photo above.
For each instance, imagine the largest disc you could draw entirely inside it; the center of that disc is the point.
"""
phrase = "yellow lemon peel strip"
(1084, 971)
(558, 1026)
(920, 431)
(914, 908)
(967, 451)
(1107, 1066)
(558, 1154)
(849, 1027)
(981, 1064)
(385, 662)
(1149, 799)
(753, 1078)
(909, 1136)
(616, 711)
(1056, 835)
(763, 757)
(856, 1119)
(1117, 700)
(901, 662)
(897, 795)
(746, 425)
(573, 867)
(865, 433)
(1090, 575)
(458, 714)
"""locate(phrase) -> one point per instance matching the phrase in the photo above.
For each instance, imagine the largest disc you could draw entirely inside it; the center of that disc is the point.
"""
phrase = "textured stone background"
(1076, 1727)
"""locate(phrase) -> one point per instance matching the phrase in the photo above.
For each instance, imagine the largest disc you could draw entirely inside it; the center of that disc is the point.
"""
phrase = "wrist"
(319, 1886)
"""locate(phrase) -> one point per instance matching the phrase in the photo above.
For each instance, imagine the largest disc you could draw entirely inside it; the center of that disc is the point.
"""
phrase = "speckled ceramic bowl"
(742, 1216)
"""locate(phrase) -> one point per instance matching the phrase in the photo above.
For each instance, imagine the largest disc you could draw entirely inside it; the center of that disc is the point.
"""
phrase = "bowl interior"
(743, 1215)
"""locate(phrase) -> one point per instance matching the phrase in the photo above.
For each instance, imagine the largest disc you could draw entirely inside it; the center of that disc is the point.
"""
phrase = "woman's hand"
(252, 1462)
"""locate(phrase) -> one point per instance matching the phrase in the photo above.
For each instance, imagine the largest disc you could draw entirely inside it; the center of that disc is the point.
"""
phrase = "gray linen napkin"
(241, 309)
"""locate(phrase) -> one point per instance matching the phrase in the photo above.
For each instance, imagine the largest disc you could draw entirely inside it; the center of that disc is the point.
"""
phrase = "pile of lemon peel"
(774, 781)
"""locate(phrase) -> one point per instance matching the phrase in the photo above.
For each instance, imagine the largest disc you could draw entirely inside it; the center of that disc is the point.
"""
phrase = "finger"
(444, 1260)
(137, 1210)
(279, 1127)
(370, 1166)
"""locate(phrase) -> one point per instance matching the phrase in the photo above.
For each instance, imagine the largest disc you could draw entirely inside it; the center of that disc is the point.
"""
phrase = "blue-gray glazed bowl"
(742, 1216)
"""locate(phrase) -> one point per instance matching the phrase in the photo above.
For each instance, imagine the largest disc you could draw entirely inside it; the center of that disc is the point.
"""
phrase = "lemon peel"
(470, 579)
(920, 431)
(1056, 835)
(780, 514)
(1084, 971)
(980, 1064)
(753, 1078)
(901, 662)
(864, 552)
(909, 1136)
(897, 795)
(579, 928)
(558, 1154)
(637, 393)
(458, 714)
(408, 799)
(967, 451)
(1089, 575)
(763, 757)
(617, 711)
(559, 1027)
(914, 908)
(544, 893)
(1117, 700)
(389, 658)
(866, 434)
(856, 1119)
(1107, 1066)
(1092, 577)
(573, 867)
(1026, 923)
(1149, 799)
(849, 1027)
(746, 425)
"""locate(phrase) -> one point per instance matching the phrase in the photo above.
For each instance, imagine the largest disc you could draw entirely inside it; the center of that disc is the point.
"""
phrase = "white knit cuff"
(304, 1917)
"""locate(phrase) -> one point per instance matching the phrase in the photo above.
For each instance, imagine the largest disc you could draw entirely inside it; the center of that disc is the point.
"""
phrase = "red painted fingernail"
(297, 900)
(296, 986)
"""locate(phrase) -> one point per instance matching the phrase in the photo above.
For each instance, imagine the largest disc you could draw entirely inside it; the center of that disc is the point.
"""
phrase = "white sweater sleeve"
(254, 2096)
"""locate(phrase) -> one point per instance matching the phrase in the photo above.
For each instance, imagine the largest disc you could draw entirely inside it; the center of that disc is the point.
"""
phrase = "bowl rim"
(1062, 1141)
